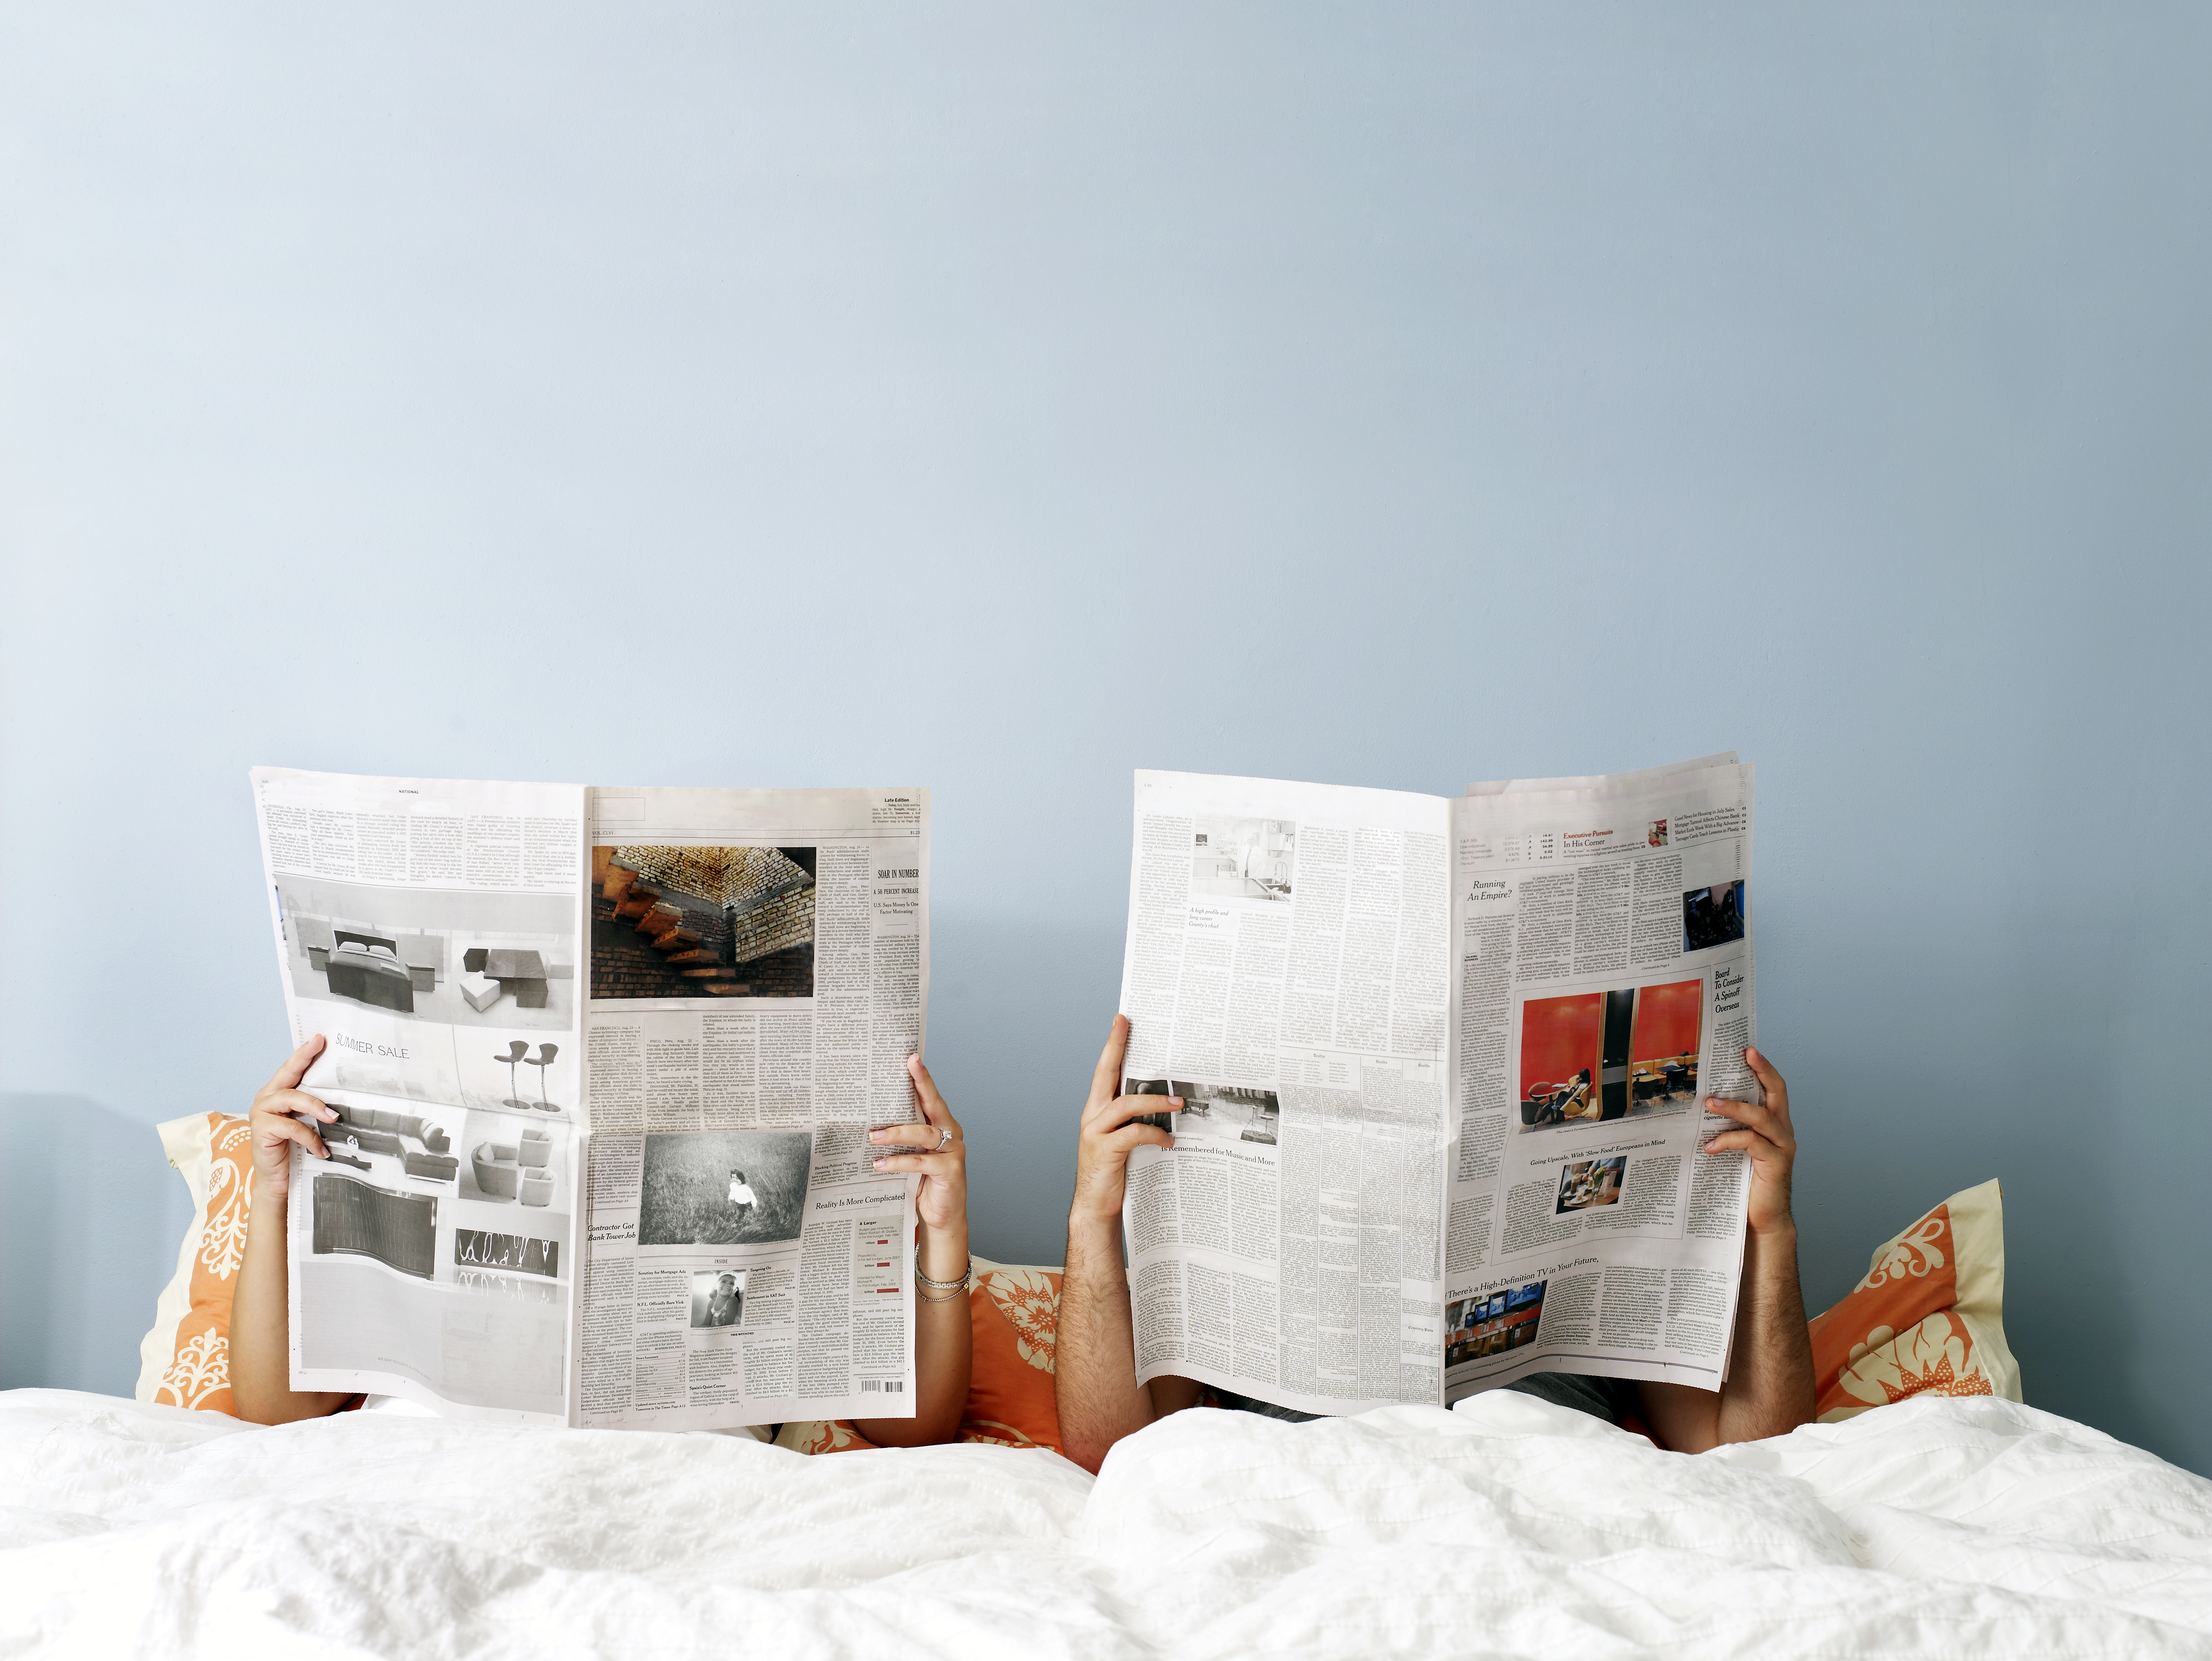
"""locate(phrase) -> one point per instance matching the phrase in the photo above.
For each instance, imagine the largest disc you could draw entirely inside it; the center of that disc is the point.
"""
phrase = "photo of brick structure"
(692, 922)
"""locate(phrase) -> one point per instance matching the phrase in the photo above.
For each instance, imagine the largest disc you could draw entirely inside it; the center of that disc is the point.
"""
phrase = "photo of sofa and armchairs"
(520, 1170)
(383, 1130)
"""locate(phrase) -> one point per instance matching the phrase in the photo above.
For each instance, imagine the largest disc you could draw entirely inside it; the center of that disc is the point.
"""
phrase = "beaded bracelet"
(960, 1285)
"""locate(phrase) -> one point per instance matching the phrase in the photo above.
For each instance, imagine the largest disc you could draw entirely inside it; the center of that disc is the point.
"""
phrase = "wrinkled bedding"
(1509, 1527)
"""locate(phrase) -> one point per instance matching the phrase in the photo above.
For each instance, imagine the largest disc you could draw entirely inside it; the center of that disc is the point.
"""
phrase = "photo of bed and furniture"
(468, 959)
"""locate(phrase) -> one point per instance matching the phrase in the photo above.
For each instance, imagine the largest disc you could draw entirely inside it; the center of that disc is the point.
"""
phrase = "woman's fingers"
(297, 1101)
(1105, 1078)
(944, 1166)
(914, 1138)
(296, 1065)
(283, 1127)
(933, 1108)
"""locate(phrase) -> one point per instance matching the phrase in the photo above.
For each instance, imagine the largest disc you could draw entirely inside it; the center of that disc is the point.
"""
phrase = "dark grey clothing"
(1609, 1399)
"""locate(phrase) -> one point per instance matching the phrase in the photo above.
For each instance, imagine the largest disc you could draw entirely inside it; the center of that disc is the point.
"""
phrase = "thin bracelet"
(960, 1285)
(923, 1298)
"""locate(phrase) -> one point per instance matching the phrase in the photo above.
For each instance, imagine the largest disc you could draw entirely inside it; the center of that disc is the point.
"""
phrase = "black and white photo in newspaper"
(1602, 936)
(1286, 976)
(758, 975)
(430, 931)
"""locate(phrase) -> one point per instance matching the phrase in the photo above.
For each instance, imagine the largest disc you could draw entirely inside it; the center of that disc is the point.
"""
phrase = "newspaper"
(604, 1061)
(1441, 1064)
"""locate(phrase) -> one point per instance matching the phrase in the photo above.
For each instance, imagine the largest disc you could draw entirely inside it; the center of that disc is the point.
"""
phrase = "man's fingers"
(1764, 1120)
(1105, 1078)
(1746, 1142)
(1122, 1108)
(296, 1065)
(1777, 1091)
(1133, 1135)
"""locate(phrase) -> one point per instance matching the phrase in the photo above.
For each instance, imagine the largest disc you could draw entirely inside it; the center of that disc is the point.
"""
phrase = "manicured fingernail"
(879, 1165)
(1174, 1101)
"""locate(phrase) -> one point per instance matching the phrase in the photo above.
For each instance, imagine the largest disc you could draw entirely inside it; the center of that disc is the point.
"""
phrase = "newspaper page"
(759, 974)
(1287, 974)
(430, 931)
(1604, 965)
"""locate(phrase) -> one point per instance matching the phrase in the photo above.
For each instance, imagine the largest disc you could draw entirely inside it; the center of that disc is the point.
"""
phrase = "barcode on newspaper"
(888, 1386)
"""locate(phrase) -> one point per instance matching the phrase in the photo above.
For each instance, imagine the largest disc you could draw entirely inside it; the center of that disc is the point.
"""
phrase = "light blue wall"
(1002, 398)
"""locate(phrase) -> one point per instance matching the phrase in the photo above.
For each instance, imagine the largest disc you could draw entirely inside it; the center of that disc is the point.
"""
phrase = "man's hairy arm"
(1769, 1391)
(1095, 1357)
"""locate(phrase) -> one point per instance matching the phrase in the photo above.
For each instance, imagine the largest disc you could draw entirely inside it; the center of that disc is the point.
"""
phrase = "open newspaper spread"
(1441, 1063)
(605, 1060)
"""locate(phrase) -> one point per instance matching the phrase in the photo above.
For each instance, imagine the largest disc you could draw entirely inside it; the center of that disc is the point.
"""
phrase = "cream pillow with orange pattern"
(1927, 1320)
(185, 1361)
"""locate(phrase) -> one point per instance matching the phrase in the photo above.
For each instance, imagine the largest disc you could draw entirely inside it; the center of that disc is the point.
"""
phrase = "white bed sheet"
(1506, 1528)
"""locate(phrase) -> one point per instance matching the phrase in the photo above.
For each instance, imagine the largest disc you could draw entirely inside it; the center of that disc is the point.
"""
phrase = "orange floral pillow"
(185, 1361)
(1014, 1316)
(1928, 1319)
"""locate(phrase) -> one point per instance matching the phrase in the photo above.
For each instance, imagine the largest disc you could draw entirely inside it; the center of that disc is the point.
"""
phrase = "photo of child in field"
(723, 1186)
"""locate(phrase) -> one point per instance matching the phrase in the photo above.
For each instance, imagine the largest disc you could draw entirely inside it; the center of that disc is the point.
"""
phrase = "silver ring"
(944, 1138)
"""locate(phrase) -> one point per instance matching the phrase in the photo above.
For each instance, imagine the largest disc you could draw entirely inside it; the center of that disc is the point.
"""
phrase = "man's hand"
(1769, 1391)
(1095, 1367)
(1768, 1137)
(280, 1116)
(1101, 1149)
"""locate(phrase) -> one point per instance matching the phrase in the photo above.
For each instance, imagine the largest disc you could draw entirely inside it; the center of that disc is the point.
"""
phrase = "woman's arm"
(260, 1317)
(944, 1343)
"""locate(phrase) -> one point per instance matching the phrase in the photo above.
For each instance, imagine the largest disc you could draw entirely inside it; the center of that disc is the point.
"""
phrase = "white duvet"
(1507, 1528)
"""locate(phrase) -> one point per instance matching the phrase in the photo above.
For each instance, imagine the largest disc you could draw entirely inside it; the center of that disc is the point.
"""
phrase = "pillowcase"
(184, 1360)
(1013, 1313)
(1927, 1320)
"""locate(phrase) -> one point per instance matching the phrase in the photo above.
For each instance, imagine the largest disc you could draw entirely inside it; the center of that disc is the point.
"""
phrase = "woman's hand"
(944, 1336)
(281, 1115)
(1768, 1136)
(942, 1161)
